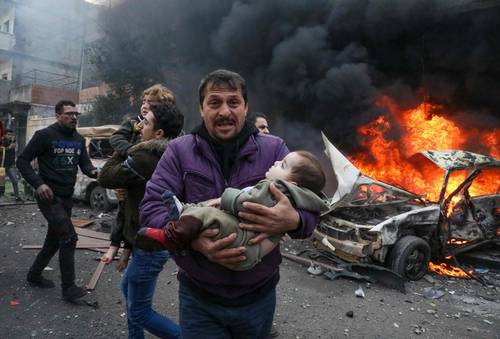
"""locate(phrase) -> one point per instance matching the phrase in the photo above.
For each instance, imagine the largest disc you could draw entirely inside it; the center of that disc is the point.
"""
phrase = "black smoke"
(317, 64)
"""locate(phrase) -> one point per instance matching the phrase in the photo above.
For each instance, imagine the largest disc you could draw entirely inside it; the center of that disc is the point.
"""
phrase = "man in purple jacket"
(224, 151)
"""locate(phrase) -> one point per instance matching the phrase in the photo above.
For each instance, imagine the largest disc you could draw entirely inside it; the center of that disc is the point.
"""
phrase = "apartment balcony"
(7, 41)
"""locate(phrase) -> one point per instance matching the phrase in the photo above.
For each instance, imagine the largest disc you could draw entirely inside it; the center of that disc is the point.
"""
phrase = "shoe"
(157, 234)
(39, 281)
(18, 199)
(274, 332)
(73, 293)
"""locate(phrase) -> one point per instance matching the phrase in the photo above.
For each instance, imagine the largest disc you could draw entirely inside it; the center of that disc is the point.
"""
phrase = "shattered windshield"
(375, 194)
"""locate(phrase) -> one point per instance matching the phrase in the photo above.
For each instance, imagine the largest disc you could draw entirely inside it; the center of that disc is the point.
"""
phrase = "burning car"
(99, 149)
(373, 222)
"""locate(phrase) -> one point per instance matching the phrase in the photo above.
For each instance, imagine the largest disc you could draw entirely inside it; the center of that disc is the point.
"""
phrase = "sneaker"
(274, 332)
(39, 281)
(73, 293)
(18, 199)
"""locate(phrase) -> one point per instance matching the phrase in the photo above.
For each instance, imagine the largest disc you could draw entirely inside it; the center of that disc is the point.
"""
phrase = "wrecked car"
(100, 150)
(370, 221)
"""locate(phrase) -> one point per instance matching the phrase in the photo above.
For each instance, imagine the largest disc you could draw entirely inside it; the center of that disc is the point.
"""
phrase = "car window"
(374, 194)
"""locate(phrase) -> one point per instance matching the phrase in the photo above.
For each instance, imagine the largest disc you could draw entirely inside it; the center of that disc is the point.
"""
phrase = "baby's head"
(301, 168)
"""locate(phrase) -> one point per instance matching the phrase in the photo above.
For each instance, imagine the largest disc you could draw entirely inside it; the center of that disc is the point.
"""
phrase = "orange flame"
(458, 242)
(388, 160)
(448, 270)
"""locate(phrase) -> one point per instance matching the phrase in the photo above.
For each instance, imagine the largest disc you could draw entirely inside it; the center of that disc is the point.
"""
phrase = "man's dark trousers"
(60, 236)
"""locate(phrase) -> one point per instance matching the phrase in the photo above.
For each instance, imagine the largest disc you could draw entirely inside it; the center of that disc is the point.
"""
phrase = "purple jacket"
(189, 169)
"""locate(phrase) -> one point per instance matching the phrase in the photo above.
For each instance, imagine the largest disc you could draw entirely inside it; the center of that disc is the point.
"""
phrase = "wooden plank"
(78, 246)
(92, 234)
(95, 277)
(83, 242)
(81, 222)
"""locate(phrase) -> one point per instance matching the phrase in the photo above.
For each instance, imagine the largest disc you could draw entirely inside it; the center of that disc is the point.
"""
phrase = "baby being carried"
(299, 176)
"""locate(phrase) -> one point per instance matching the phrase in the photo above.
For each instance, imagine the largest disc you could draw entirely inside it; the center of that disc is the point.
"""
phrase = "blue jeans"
(202, 319)
(11, 173)
(138, 286)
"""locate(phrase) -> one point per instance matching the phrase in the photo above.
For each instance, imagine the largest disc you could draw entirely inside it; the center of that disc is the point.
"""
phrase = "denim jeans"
(202, 319)
(11, 173)
(138, 286)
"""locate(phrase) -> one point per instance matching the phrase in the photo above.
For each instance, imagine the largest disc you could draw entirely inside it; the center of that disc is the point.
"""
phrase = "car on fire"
(100, 150)
(370, 221)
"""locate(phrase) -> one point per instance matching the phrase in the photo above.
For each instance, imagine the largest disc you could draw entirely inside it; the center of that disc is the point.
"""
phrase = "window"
(5, 76)
(6, 26)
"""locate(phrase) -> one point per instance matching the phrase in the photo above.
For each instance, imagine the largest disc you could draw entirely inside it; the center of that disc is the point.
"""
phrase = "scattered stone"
(430, 279)
(487, 321)
(431, 311)
(359, 293)
(315, 270)
(396, 325)
(9, 223)
(350, 314)
(433, 293)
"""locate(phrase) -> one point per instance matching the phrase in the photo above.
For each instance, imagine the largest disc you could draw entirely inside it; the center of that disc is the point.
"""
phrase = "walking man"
(9, 142)
(59, 150)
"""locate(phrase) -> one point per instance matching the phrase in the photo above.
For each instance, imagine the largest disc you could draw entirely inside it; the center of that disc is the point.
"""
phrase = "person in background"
(162, 123)
(260, 121)
(9, 142)
(59, 151)
(224, 151)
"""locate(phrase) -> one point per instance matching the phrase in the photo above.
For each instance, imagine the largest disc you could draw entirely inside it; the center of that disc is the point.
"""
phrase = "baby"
(299, 176)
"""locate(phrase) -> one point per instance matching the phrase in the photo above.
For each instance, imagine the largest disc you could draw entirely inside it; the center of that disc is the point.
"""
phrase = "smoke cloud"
(324, 62)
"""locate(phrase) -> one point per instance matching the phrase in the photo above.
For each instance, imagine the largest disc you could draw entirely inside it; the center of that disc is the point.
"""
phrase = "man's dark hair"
(9, 130)
(252, 117)
(168, 118)
(308, 173)
(225, 79)
(60, 105)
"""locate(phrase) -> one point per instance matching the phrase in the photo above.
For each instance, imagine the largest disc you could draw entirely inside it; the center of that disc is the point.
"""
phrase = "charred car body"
(99, 149)
(374, 222)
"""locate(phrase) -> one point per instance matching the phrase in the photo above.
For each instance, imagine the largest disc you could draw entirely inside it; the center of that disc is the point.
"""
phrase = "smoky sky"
(322, 63)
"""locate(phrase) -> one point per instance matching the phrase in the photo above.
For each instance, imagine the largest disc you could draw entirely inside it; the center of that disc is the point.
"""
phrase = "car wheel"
(98, 199)
(409, 257)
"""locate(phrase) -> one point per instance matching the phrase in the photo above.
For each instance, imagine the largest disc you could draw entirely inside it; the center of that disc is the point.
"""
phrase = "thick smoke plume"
(321, 62)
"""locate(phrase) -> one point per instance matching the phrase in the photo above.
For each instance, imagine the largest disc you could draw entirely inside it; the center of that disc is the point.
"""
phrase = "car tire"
(98, 199)
(409, 257)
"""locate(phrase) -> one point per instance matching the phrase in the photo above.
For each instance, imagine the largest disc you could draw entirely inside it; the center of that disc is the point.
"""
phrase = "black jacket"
(59, 151)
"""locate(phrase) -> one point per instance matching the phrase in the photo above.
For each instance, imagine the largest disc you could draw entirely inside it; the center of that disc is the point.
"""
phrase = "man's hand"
(123, 261)
(109, 255)
(121, 194)
(279, 219)
(215, 250)
(94, 173)
(44, 193)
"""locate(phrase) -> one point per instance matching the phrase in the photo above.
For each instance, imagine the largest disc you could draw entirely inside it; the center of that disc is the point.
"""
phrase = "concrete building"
(42, 59)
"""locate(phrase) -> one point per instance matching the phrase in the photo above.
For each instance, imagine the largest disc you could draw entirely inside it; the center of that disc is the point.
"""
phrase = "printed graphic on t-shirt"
(66, 154)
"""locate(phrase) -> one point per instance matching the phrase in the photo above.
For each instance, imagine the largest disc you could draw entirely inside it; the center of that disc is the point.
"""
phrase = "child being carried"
(299, 176)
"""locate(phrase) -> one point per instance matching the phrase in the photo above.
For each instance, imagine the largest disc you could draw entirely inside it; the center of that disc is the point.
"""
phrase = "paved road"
(308, 306)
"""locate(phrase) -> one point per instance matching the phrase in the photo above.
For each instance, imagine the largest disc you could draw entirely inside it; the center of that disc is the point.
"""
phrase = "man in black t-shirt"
(59, 151)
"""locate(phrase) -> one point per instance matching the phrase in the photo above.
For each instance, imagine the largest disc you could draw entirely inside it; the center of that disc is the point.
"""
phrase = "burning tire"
(409, 257)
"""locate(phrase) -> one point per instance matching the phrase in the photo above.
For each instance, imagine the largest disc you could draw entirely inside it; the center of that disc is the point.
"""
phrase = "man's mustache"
(225, 120)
